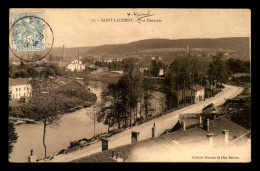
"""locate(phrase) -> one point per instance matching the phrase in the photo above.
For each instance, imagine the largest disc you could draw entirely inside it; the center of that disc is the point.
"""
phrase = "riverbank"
(77, 145)
(19, 121)
(75, 97)
(162, 123)
(71, 127)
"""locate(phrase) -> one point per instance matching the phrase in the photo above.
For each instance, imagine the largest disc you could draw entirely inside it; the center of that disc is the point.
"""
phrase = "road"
(145, 129)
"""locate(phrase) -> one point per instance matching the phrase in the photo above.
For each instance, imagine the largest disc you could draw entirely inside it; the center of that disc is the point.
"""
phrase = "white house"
(142, 69)
(161, 72)
(19, 88)
(76, 64)
(199, 93)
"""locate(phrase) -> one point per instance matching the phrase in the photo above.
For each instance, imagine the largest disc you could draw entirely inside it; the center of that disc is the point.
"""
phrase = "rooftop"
(18, 81)
(170, 142)
(197, 87)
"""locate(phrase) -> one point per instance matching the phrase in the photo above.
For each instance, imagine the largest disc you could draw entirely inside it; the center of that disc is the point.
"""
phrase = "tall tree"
(173, 80)
(111, 105)
(218, 69)
(45, 105)
(133, 80)
(185, 63)
(147, 88)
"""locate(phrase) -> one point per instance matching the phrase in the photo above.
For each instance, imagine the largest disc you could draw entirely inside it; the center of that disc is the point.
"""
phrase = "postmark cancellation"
(27, 31)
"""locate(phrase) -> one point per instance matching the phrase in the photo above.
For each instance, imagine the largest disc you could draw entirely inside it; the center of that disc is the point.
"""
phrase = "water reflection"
(73, 126)
(97, 87)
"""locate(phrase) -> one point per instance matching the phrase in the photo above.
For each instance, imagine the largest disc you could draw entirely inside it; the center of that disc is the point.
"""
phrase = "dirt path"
(162, 123)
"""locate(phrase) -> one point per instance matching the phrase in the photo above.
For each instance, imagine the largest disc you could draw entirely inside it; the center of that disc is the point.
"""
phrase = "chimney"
(32, 158)
(104, 144)
(154, 133)
(63, 53)
(113, 153)
(135, 136)
(200, 119)
(206, 124)
(225, 137)
(183, 125)
(210, 139)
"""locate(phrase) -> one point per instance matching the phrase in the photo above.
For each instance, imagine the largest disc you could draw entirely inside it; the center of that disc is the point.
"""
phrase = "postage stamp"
(27, 32)
(30, 37)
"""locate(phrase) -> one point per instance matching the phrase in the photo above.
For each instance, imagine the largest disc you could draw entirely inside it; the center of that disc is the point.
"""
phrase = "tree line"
(27, 70)
(114, 65)
(120, 100)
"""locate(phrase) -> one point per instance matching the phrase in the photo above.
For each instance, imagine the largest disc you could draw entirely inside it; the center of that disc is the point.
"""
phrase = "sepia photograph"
(107, 85)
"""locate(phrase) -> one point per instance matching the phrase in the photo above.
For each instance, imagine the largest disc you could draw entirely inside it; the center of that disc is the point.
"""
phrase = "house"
(142, 69)
(154, 58)
(19, 88)
(144, 66)
(199, 93)
(161, 72)
(211, 137)
(76, 65)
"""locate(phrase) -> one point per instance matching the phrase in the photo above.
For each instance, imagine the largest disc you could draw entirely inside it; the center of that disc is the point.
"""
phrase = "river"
(73, 126)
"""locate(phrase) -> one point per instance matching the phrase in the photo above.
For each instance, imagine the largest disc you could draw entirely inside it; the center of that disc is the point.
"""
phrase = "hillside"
(240, 44)
(58, 51)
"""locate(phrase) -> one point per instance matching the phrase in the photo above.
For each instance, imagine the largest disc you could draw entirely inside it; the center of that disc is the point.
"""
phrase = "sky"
(73, 27)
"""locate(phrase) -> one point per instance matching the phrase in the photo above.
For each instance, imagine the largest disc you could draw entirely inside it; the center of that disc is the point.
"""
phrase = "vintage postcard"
(129, 85)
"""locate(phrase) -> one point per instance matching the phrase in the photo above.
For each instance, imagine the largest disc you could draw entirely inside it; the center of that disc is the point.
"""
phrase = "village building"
(199, 93)
(215, 135)
(154, 58)
(145, 66)
(108, 60)
(142, 69)
(76, 65)
(161, 72)
(19, 88)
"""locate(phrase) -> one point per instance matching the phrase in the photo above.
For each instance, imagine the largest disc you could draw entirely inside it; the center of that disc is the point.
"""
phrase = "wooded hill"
(239, 45)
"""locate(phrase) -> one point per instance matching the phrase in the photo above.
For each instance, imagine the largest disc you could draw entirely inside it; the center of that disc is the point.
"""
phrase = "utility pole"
(94, 121)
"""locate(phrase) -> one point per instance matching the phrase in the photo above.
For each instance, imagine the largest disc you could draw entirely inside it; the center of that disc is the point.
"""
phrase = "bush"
(18, 111)
(73, 144)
